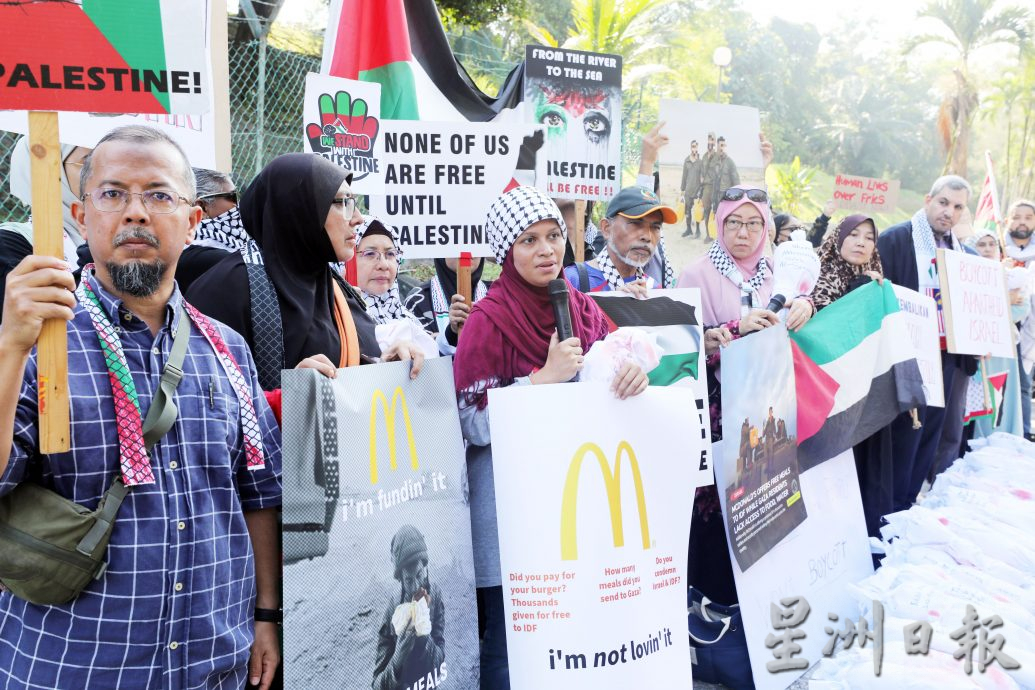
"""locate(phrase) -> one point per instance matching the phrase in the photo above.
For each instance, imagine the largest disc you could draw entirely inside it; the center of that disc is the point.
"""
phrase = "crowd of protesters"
(265, 291)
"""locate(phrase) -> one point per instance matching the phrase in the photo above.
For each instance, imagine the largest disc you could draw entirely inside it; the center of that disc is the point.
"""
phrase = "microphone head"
(558, 286)
(776, 303)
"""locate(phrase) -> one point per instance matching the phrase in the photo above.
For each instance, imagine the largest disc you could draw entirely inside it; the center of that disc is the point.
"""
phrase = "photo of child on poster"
(577, 97)
(759, 451)
(711, 147)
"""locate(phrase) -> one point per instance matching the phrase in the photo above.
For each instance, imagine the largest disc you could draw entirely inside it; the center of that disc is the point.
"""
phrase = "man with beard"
(411, 643)
(690, 188)
(724, 173)
(190, 588)
(908, 251)
(632, 230)
(1020, 251)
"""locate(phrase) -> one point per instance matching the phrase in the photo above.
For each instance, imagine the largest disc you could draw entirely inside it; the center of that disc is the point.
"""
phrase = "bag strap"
(583, 277)
(700, 609)
(161, 415)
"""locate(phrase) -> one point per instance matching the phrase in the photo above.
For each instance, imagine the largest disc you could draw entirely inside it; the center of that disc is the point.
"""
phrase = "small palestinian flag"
(985, 398)
(854, 372)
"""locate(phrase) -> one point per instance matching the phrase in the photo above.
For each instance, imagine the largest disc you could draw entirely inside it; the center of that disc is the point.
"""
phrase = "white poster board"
(921, 316)
(342, 123)
(443, 176)
(594, 510)
(976, 305)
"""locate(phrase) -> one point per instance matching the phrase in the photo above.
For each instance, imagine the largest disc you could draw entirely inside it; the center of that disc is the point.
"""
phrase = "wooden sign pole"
(578, 235)
(463, 281)
(48, 240)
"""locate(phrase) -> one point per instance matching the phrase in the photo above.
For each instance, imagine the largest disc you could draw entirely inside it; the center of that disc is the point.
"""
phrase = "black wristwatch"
(269, 616)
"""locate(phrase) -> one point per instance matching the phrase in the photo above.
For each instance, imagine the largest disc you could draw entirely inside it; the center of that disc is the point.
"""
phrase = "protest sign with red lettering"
(146, 56)
(866, 194)
(975, 305)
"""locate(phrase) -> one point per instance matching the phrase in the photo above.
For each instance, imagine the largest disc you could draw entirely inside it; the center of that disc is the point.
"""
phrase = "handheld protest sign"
(976, 305)
(578, 233)
(47, 232)
(463, 280)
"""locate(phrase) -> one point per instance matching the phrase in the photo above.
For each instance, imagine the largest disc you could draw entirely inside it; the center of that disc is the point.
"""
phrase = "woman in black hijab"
(280, 292)
(438, 305)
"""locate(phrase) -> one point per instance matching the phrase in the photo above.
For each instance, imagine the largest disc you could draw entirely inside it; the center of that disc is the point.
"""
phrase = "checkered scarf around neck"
(135, 463)
(225, 231)
(611, 275)
(388, 306)
(724, 264)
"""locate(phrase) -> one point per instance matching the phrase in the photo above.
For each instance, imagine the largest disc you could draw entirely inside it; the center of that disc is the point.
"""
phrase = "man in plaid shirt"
(194, 548)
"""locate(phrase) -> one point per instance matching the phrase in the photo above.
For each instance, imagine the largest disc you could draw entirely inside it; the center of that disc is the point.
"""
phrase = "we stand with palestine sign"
(104, 56)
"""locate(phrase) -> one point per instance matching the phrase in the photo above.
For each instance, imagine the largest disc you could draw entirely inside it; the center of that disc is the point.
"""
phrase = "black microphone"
(558, 289)
(777, 303)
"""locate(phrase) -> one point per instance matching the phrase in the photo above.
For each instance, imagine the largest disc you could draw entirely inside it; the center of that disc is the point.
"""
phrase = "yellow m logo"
(398, 398)
(613, 486)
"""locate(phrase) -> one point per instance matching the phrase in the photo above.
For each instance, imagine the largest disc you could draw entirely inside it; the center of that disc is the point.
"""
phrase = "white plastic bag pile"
(970, 540)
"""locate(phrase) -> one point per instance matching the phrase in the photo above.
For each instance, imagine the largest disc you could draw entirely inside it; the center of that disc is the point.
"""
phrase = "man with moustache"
(908, 252)
(1020, 252)
(189, 593)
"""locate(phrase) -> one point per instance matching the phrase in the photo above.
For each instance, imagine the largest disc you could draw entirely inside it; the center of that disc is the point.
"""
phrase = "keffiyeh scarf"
(926, 263)
(725, 265)
(225, 231)
(513, 212)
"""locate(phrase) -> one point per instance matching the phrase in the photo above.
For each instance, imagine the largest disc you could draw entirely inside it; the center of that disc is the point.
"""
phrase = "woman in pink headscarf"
(736, 282)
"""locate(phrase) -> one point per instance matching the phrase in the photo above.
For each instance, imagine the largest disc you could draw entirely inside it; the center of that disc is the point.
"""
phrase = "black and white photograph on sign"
(577, 97)
(711, 147)
(378, 573)
(760, 450)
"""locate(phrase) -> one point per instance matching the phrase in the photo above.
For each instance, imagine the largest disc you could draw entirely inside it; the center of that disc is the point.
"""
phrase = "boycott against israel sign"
(146, 56)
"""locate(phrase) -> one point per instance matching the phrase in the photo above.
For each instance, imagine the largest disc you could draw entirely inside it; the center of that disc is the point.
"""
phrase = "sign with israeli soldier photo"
(342, 123)
(593, 509)
(441, 178)
(104, 56)
(378, 574)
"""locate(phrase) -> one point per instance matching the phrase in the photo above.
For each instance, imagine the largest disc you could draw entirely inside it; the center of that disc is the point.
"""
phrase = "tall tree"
(967, 26)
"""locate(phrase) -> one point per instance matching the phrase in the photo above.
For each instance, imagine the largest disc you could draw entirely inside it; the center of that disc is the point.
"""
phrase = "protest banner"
(711, 147)
(343, 124)
(587, 606)
(670, 317)
(975, 305)
(865, 194)
(761, 488)
(921, 317)
(443, 176)
(377, 535)
(577, 96)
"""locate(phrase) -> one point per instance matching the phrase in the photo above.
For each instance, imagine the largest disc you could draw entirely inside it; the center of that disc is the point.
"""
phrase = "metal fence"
(266, 89)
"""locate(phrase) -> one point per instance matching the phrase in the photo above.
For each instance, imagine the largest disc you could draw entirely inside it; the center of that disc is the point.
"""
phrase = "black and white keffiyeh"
(725, 265)
(225, 231)
(388, 306)
(513, 212)
(611, 275)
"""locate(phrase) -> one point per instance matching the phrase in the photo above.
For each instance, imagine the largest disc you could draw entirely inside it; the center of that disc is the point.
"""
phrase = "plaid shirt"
(175, 607)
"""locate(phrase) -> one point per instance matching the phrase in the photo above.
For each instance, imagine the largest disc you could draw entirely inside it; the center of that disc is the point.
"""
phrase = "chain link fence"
(266, 90)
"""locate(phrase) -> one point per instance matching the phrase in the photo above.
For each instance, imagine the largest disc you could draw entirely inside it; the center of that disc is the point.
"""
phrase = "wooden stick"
(578, 233)
(985, 384)
(48, 240)
(220, 85)
(463, 281)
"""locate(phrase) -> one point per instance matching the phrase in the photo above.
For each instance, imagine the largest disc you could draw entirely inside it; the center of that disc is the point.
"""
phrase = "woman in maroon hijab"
(510, 339)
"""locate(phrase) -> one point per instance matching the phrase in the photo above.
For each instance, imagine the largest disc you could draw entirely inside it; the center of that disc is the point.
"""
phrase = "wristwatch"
(269, 616)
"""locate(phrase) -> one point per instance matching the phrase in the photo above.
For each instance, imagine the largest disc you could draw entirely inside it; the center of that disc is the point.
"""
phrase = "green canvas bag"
(50, 547)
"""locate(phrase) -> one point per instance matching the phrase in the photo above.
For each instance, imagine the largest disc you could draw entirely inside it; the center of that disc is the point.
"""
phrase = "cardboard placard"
(976, 305)
(866, 194)
(577, 97)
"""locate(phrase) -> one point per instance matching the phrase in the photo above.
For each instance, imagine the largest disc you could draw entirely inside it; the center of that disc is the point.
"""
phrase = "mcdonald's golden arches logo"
(613, 487)
(390, 413)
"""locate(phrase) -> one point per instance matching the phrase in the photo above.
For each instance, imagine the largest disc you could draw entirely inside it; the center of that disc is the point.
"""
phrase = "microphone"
(777, 303)
(558, 290)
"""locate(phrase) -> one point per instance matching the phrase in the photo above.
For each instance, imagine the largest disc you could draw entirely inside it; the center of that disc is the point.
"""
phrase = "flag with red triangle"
(988, 214)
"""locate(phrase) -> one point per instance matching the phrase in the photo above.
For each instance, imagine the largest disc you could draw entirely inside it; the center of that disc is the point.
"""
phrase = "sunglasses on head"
(736, 194)
(229, 196)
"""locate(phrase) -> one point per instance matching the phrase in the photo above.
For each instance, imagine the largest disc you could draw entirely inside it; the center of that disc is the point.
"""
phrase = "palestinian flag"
(854, 373)
(674, 325)
(104, 56)
(401, 45)
(985, 398)
(988, 214)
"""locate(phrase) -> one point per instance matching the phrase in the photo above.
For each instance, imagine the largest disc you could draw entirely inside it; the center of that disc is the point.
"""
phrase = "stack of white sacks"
(970, 540)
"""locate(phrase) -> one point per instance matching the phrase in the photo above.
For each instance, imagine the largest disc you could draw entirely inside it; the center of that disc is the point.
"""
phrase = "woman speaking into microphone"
(509, 339)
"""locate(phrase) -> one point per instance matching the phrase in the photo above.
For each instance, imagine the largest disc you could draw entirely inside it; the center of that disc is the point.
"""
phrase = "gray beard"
(625, 259)
(136, 278)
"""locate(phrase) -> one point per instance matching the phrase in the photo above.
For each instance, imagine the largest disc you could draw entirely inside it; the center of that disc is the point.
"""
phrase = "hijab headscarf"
(835, 274)
(284, 211)
(21, 187)
(725, 281)
(508, 332)
(387, 306)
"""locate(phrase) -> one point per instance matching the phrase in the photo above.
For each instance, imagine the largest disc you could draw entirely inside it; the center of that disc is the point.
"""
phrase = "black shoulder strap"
(267, 330)
(583, 277)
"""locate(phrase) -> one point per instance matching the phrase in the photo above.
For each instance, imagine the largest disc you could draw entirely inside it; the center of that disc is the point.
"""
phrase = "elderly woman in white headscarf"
(16, 238)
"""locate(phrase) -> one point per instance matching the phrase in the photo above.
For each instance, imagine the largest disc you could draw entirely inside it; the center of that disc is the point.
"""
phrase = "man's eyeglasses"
(736, 194)
(753, 226)
(792, 228)
(111, 200)
(348, 205)
(373, 255)
(229, 196)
